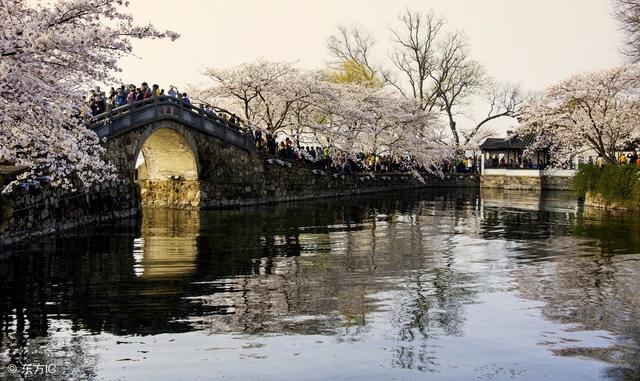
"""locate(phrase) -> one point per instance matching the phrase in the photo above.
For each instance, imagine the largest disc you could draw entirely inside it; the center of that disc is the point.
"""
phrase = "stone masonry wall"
(511, 182)
(556, 183)
(282, 184)
(285, 181)
(28, 214)
(596, 200)
(526, 182)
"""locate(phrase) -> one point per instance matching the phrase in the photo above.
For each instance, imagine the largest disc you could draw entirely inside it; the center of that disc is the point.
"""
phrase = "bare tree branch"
(628, 14)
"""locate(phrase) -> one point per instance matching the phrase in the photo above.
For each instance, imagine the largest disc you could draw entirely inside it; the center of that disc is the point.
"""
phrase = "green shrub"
(585, 178)
(619, 183)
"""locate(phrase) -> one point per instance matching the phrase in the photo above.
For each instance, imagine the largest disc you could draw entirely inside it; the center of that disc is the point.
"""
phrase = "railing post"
(180, 106)
(201, 111)
(131, 113)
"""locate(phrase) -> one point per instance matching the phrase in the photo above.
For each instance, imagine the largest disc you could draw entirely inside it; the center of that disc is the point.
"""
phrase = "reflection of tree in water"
(435, 291)
(434, 307)
(330, 291)
(591, 288)
(581, 280)
(607, 284)
(610, 230)
(70, 355)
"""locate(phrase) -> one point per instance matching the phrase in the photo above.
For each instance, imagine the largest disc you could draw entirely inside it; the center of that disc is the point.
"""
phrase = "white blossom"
(50, 55)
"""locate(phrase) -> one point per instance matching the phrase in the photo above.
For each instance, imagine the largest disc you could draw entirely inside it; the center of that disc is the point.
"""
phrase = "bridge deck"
(126, 118)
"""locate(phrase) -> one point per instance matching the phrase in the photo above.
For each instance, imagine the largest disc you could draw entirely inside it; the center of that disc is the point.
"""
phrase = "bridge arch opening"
(167, 170)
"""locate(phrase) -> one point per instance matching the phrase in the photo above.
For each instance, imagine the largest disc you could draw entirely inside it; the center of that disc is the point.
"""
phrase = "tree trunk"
(456, 138)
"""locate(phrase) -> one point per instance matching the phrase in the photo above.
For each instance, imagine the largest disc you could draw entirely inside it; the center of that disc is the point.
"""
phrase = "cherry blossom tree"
(352, 118)
(598, 111)
(265, 94)
(50, 54)
(378, 122)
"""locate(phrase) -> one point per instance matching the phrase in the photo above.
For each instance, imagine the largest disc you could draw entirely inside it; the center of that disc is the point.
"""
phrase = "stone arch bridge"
(181, 155)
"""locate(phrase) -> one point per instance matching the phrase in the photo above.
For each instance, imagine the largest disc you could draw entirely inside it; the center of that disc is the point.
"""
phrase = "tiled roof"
(513, 142)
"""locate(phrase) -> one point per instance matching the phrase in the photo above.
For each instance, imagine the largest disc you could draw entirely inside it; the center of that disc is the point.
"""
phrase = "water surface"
(446, 285)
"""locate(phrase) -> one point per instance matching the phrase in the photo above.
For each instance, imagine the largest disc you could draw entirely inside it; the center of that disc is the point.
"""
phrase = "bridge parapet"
(126, 118)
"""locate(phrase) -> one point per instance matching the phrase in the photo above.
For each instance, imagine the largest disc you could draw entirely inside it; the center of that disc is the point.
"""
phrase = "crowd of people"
(629, 159)
(124, 95)
(322, 157)
(521, 163)
(100, 103)
(468, 164)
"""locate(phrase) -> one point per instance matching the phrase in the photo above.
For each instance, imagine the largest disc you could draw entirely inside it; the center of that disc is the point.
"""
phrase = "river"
(428, 285)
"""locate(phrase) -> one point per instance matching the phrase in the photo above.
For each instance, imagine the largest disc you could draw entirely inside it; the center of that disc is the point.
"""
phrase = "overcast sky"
(531, 42)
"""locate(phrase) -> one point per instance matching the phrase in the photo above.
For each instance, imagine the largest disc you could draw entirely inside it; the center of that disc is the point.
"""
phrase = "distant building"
(507, 153)
(504, 166)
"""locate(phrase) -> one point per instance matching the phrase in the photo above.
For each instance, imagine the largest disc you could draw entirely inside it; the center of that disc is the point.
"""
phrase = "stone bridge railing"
(126, 118)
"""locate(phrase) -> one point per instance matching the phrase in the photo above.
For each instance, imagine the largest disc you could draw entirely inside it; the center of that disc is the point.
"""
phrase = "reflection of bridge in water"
(167, 247)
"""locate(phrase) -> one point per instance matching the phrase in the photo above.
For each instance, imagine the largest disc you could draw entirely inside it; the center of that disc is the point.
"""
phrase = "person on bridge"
(131, 95)
(121, 99)
(173, 92)
(98, 104)
(185, 100)
(271, 144)
(146, 91)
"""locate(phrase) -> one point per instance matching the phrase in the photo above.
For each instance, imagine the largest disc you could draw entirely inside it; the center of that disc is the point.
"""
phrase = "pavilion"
(505, 154)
